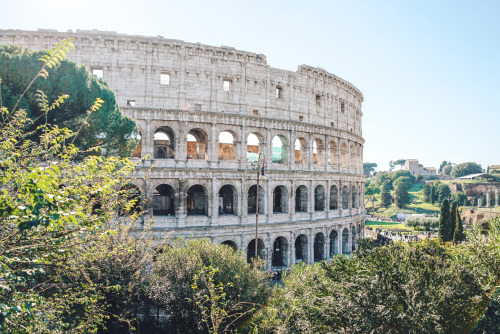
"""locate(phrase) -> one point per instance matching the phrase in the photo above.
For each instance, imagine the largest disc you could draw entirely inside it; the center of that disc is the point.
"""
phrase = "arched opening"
(343, 155)
(345, 241)
(319, 198)
(228, 200)
(360, 200)
(197, 203)
(254, 146)
(197, 144)
(226, 146)
(354, 202)
(133, 205)
(345, 198)
(301, 249)
(353, 237)
(353, 158)
(163, 200)
(251, 250)
(334, 195)
(334, 243)
(164, 143)
(332, 153)
(319, 247)
(138, 149)
(280, 200)
(300, 151)
(279, 253)
(301, 199)
(231, 244)
(318, 155)
(279, 150)
(252, 199)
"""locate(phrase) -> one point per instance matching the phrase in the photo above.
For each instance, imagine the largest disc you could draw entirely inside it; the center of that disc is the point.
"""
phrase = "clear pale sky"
(429, 70)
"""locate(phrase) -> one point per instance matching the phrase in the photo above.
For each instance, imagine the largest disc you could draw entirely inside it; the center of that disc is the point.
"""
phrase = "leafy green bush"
(426, 223)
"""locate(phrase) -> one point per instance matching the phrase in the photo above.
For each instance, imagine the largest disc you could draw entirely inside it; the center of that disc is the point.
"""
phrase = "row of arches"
(164, 199)
(348, 155)
(279, 253)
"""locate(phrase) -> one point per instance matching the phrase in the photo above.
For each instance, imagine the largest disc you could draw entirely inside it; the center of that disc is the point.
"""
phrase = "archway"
(354, 202)
(334, 195)
(279, 252)
(228, 200)
(251, 250)
(197, 203)
(345, 198)
(301, 248)
(231, 244)
(252, 199)
(279, 150)
(319, 247)
(353, 232)
(318, 155)
(345, 241)
(163, 200)
(197, 144)
(226, 146)
(301, 199)
(333, 243)
(280, 199)
(254, 146)
(164, 143)
(319, 198)
(300, 151)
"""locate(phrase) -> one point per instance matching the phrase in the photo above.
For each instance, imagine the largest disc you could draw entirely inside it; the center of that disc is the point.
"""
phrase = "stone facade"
(205, 113)
(486, 193)
(414, 167)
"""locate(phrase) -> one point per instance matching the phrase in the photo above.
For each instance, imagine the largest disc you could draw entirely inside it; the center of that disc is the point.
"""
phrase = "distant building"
(414, 167)
(494, 167)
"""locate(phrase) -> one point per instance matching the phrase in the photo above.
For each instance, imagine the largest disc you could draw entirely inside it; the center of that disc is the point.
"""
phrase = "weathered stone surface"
(203, 188)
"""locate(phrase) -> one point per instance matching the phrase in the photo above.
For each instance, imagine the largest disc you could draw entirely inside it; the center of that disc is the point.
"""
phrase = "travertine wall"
(316, 107)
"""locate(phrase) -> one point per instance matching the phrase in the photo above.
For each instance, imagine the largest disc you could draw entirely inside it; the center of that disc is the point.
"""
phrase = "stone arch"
(345, 241)
(197, 201)
(353, 233)
(318, 152)
(334, 243)
(319, 198)
(343, 155)
(353, 194)
(300, 151)
(332, 153)
(252, 199)
(255, 145)
(230, 243)
(280, 199)
(197, 144)
(345, 198)
(301, 199)
(164, 200)
(334, 196)
(227, 145)
(319, 247)
(279, 257)
(261, 252)
(164, 143)
(228, 200)
(279, 149)
(301, 249)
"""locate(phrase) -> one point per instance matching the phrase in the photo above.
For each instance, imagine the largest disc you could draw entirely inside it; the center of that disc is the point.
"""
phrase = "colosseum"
(206, 114)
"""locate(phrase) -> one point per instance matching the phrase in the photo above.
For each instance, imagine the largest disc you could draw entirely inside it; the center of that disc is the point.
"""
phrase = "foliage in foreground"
(420, 287)
(205, 287)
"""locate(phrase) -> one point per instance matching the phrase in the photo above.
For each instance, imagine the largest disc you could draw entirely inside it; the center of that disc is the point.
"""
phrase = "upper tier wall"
(132, 66)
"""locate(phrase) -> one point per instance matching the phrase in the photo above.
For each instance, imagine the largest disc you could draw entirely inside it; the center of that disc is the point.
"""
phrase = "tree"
(445, 229)
(368, 168)
(443, 165)
(406, 181)
(433, 194)
(458, 233)
(427, 189)
(453, 218)
(400, 162)
(447, 170)
(402, 173)
(391, 165)
(381, 178)
(370, 191)
(53, 211)
(183, 275)
(401, 195)
(465, 168)
(443, 191)
(385, 195)
(459, 197)
(106, 127)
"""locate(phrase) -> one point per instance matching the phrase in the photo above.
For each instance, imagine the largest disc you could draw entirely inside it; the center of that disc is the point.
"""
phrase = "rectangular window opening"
(332, 124)
(318, 100)
(197, 107)
(301, 118)
(98, 73)
(130, 103)
(279, 92)
(255, 112)
(227, 85)
(165, 79)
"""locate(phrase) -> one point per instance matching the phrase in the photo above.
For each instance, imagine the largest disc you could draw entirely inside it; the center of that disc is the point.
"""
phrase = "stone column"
(487, 199)
(269, 202)
(310, 208)
(270, 250)
(243, 148)
(147, 142)
(268, 149)
(326, 150)
(214, 201)
(496, 197)
(181, 203)
(339, 168)
(339, 240)
(292, 249)
(291, 149)
(310, 244)
(310, 153)
(213, 152)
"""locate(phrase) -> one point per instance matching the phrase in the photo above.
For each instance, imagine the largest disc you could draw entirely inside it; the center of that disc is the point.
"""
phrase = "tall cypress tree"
(458, 235)
(433, 194)
(453, 219)
(444, 221)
